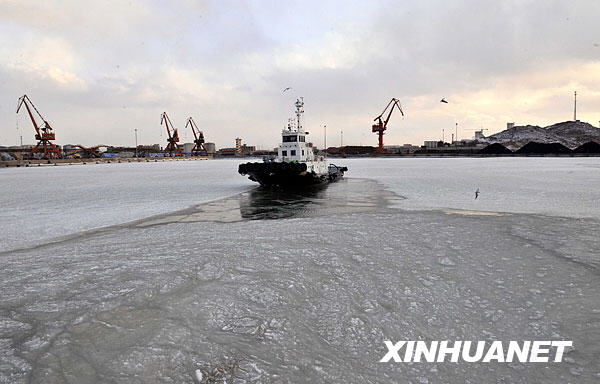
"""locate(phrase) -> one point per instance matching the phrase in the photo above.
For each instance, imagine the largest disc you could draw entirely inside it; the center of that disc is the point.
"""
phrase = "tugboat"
(296, 164)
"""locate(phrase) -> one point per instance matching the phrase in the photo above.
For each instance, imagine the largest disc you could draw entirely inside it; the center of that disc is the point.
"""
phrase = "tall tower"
(456, 132)
(238, 145)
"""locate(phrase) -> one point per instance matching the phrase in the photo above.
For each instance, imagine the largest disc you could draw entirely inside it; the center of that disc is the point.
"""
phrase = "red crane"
(44, 135)
(381, 125)
(199, 149)
(173, 137)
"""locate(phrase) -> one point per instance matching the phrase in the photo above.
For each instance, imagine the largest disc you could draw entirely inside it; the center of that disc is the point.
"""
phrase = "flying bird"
(444, 100)
(287, 89)
(476, 193)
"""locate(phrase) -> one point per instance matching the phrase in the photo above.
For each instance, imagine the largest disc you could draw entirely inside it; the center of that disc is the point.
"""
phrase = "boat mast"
(299, 111)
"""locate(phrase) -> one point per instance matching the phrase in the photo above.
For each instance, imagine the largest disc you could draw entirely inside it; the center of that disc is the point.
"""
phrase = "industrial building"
(187, 147)
(239, 150)
(211, 149)
(227, 152)
(404, 149)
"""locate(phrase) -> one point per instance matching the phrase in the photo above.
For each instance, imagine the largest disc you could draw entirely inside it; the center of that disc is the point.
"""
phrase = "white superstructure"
(294, 146)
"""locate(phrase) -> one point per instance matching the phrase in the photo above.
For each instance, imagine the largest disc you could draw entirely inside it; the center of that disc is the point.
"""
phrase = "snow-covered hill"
(569, 133)
(575, 132)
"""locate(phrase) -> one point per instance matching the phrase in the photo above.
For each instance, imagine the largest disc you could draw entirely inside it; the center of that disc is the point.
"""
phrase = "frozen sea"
(151, 272)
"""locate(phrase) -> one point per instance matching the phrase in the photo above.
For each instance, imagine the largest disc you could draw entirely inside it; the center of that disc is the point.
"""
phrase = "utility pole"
(575, 108)
(136, 152)
(20, 131)
(442, 135)
(325, 141)
(456, 133)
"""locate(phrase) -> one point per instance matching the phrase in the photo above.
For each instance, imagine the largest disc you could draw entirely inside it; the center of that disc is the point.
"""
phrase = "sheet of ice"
(308, 298)
(300, 300)
(45, 202)
(549, 186)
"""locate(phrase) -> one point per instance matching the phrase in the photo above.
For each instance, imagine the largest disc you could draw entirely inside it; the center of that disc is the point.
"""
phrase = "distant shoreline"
(63, 162)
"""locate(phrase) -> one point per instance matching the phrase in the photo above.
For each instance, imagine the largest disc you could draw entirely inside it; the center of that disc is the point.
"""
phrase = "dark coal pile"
(589, 147)
(351, 150)
(543, 149)
(495, 149)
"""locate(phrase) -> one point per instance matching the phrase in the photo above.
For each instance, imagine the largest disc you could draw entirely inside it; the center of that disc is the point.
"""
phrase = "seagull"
(476, 193)
(287, 89)
(444, 100)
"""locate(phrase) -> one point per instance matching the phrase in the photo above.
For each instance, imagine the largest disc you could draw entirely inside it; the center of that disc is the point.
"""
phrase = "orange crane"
(44, 135)
(381, 125)
(172, 147)
(199, 149)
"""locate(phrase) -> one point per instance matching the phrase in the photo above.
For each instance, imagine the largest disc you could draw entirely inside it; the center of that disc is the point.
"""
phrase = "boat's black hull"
(287, 175)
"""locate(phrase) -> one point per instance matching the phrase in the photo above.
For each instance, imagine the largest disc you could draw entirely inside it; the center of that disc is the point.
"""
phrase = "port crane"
(172, 147)
(44, 135)
(199, 148)
(381, 125)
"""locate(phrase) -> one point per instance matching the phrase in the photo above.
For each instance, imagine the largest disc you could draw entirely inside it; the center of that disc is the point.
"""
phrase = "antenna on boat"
(299, 111)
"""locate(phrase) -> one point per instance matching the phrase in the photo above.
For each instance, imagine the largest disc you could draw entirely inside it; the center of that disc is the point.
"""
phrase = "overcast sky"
(98, 69)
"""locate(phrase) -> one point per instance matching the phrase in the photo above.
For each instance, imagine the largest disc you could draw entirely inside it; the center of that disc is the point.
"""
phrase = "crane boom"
(23, 100)
(164, 118)
(193, 125)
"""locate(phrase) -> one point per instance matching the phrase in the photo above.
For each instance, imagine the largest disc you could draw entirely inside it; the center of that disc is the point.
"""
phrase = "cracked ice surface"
(548, 186)
(308, 298)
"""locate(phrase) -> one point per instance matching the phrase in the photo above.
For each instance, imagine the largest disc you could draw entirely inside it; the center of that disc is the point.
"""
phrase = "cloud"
(45, 59)
(100, 69)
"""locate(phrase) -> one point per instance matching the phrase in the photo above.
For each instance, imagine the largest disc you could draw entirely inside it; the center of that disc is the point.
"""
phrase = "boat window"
(283, 153)
(302, 139)
(303, 152)
(289, 139)
(292, 153)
